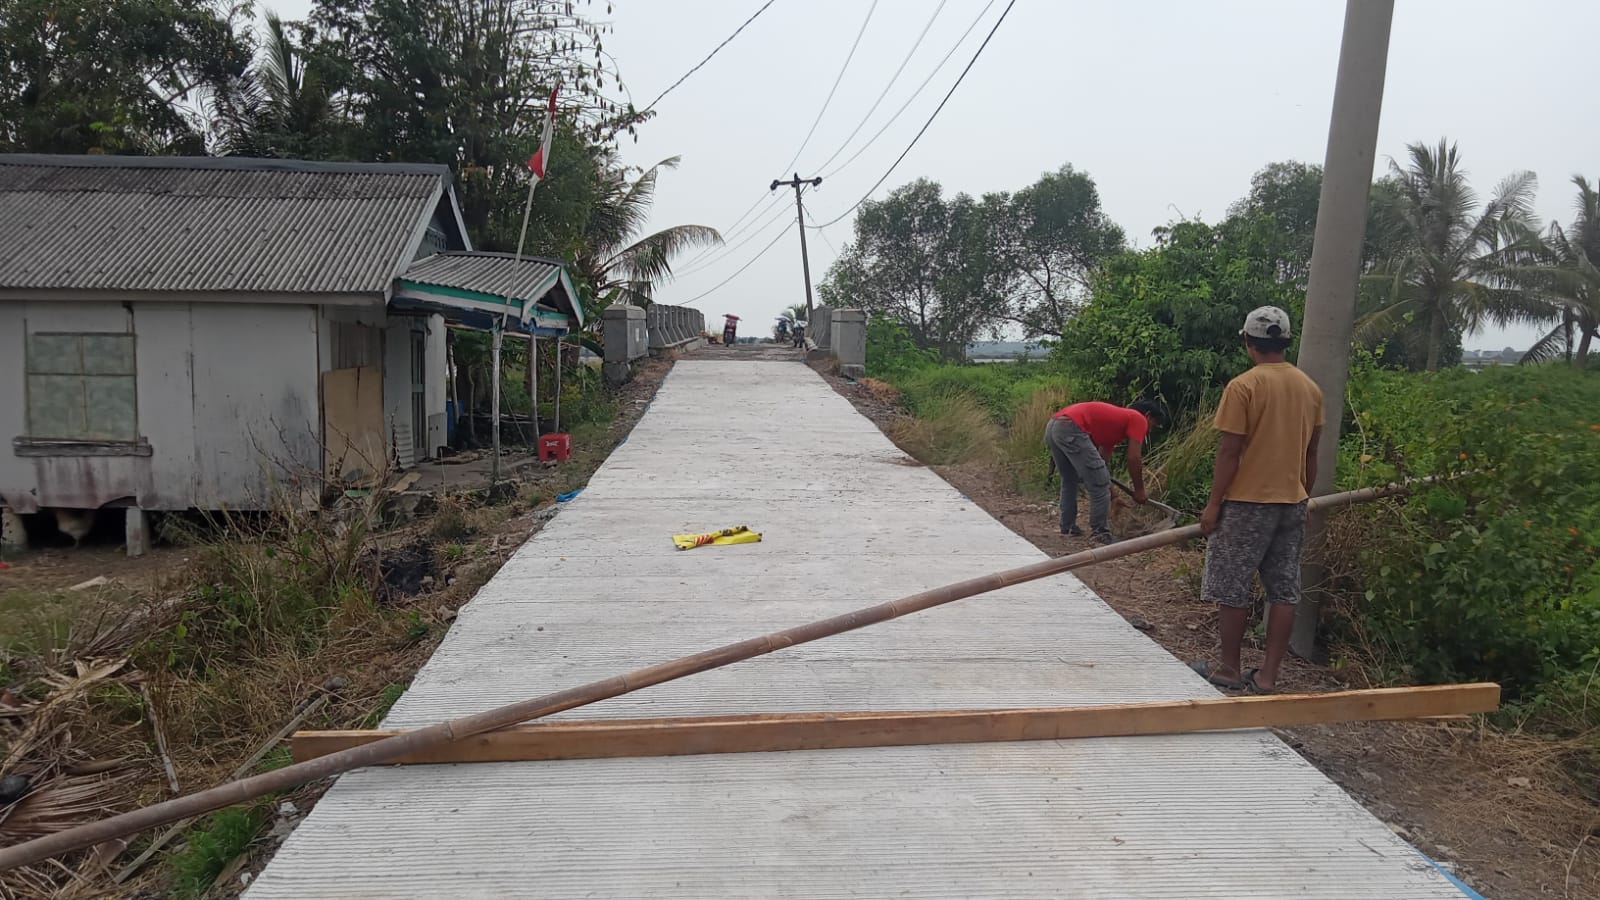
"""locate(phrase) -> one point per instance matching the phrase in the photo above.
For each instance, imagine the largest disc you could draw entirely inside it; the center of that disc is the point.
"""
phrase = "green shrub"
(891, 352)
(1164, 322)
(211, 846)
(1492, 574)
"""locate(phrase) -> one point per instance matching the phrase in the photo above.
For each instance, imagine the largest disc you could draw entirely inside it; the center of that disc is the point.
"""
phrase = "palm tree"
(1445, 262)
(1563, 270)
(278, 108)
(616, 264)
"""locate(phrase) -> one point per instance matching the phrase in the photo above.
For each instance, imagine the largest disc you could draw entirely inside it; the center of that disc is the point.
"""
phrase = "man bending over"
(1081, 438)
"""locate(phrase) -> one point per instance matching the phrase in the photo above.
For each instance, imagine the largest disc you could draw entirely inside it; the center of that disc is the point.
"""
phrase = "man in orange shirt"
(1081, 438)
(1270, 419)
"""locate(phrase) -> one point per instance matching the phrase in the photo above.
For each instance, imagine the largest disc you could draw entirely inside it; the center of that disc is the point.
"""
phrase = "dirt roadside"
(426, 573)
(1497, 810)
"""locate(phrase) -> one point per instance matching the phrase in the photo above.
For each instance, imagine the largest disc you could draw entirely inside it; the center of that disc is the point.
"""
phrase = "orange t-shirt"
(1106, 423)
(1276, 407)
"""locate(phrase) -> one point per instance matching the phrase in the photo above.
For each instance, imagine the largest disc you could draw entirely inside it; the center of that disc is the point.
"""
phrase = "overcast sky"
(1169, 105)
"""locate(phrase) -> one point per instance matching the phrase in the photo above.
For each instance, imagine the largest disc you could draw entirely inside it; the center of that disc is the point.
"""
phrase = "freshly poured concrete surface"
(600, 590)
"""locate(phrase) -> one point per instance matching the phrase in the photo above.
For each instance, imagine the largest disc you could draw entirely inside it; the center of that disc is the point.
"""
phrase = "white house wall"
(397, 387)
(438, 377)
(164, 333)
(16, 474)
(227, 401)
(256, 408)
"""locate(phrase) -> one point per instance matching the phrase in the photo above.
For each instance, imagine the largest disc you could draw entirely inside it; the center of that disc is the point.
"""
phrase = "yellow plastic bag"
(738, 534)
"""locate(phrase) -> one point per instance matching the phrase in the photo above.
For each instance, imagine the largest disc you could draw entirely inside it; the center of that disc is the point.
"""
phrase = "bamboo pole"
(414, 742)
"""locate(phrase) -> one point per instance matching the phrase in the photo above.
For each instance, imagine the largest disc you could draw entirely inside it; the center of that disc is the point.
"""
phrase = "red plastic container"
(555, 446)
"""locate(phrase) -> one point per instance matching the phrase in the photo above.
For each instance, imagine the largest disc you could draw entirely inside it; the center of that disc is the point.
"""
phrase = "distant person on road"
(1271, 419)
(799, 332)
(1081, 438)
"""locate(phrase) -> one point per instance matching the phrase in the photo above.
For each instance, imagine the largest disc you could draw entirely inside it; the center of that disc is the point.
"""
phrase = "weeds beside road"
(214, 643)
(1511, 802)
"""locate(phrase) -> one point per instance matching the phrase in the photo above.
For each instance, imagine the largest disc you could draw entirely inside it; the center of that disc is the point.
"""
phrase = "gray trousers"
(1076, 458)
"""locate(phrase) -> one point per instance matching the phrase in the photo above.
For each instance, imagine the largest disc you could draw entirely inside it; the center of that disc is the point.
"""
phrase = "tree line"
(1439, 261)
(464, 83)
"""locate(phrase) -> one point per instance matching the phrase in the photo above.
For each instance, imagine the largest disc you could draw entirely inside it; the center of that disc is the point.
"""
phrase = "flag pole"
(499, 332)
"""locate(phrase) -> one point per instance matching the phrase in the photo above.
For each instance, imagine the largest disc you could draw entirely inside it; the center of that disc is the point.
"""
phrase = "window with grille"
(81, 387)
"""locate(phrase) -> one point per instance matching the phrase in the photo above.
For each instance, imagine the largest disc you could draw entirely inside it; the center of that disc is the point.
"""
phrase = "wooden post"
(767, 732)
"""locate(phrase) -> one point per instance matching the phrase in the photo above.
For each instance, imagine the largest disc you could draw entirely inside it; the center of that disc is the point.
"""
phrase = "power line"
(820, 233)
(693, 268)
(747, 265)
(886, 88)
(859, 34)
(962, 77)
(733, 229)
(705, 253)
(916, 93)
(708, 56)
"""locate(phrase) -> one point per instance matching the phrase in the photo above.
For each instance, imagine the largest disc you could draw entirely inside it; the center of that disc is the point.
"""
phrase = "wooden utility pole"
(800, 213)
(1336, 260)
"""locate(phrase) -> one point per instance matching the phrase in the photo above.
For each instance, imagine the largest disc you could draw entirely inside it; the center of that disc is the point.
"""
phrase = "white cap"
(1267, 322)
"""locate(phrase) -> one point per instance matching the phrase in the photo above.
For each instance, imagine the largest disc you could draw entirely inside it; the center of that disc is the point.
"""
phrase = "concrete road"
(846, 523)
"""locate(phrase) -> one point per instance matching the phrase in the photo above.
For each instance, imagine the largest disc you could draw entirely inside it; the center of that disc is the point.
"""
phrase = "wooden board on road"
(766, 732)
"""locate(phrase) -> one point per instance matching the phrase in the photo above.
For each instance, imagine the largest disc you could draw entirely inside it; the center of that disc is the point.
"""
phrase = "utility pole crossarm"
(800, 211)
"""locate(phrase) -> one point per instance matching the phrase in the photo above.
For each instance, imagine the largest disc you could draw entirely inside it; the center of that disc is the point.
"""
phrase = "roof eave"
(80, 295)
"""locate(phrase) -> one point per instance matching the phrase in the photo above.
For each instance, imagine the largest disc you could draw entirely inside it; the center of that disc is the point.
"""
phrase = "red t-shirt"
(1106, 423)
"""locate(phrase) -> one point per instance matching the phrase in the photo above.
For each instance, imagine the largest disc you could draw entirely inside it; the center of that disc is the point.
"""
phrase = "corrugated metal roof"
(498, 274)
(529, 279)
(179, 224)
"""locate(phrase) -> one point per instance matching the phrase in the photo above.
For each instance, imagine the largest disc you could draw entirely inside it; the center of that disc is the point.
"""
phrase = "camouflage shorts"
(1251, 538)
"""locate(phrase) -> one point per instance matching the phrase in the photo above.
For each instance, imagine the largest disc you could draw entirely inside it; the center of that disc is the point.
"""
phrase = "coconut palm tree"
(615, 263)
(1444, 266)
(1563, 270)
(278, 108)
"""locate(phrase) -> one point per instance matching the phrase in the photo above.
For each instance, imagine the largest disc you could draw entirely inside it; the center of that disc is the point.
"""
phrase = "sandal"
(1203, 669)
(1250, 682)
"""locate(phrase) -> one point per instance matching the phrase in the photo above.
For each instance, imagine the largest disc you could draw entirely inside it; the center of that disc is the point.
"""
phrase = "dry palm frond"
(66, 801)
(65, 690)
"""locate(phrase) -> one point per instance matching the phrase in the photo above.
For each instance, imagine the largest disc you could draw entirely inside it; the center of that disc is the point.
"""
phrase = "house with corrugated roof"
(221, 333)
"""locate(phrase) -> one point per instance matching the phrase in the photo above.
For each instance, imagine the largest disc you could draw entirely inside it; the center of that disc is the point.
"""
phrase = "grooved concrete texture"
(846, 522)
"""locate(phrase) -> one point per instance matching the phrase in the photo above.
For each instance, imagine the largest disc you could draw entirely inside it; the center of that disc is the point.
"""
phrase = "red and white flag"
(541, 157)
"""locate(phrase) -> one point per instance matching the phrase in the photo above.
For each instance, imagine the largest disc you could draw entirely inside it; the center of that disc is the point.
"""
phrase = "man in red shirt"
(1081, 438)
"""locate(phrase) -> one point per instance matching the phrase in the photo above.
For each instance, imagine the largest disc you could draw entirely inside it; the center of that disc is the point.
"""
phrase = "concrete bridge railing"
(631, 332)
(674, 327)
(839, 334)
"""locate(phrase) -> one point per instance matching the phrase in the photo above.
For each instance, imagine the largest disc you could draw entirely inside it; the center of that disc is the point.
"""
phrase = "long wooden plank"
(603, 738)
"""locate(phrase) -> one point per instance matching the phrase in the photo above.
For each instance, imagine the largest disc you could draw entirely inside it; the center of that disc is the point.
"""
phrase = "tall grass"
(949, 428)
(1025, 451)
(1000, 389)
(1179, 469)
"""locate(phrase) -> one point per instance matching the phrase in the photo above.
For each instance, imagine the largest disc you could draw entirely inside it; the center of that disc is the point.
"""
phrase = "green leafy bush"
(1492, 574)
(1165, 322)
(891, 351)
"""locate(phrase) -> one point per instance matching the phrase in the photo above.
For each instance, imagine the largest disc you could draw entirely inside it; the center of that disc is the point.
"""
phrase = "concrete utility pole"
(800, 210)
(1336, 259)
